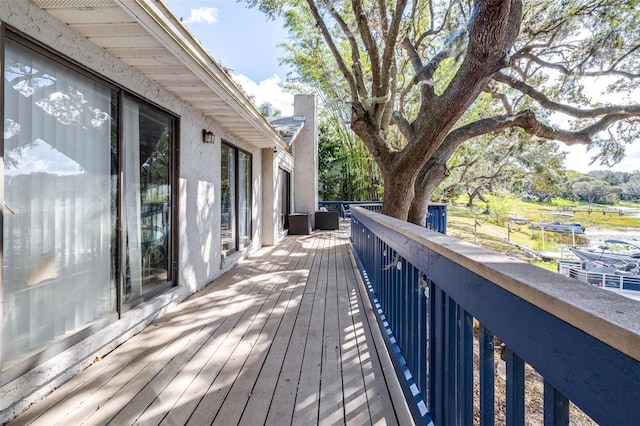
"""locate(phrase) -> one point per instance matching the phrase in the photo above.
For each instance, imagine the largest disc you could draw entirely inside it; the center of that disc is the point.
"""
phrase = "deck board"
(356, 403)
(263, 401)
(281, 407)
(284, 338)
(308, 393)
(331, 410)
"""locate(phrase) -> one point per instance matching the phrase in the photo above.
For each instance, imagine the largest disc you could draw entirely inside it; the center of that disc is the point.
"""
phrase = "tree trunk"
(398, 193)
(492, 31)
(431, 175)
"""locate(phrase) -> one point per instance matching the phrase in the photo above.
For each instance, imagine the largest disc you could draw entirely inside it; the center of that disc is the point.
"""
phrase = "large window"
(62, 258)
(236, 199)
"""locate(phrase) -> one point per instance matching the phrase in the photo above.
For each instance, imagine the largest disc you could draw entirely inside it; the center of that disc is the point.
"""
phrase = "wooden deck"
(287, 337)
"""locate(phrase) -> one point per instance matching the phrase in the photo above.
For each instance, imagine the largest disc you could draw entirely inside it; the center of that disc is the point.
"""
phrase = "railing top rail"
(609, 317)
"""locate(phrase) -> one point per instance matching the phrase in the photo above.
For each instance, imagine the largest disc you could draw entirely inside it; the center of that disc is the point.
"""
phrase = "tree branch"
(492, 31)
(527, 121)
(369, 44)
(566, 71)
(390, 43)
(403, 125)
(432, 31)
(354, 87)
(500, 96)
(424, 73)
(382, 6)
(545, 102)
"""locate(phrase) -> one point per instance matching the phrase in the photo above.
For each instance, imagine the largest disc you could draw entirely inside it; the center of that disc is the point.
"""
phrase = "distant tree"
(268, 110)
(542, 171)
(612, 177)
(501, 206)
(594, 191)
(544, 186)
(329, 163)
(631, 190)
(509, 162)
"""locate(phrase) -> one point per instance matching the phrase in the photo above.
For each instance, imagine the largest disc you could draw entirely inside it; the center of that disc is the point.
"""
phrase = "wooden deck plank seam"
(211, 333)
(203, 365)
(278, 319)
(310, 354)
(202, 407)
(350, 316)
(282, 403)
(185, 311)
(282, 386)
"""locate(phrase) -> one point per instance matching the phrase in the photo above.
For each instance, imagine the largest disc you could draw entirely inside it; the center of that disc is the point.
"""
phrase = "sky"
(579, 158)
(246, 42)
(242, 40)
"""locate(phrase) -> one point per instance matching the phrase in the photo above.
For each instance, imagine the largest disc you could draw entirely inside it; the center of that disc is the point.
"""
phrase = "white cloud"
(203, 14)
(269, 90)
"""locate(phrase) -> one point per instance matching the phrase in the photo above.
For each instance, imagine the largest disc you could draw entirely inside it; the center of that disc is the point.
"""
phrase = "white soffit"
(148, 37)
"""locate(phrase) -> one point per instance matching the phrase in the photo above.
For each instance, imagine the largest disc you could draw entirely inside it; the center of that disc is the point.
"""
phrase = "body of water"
(597, 236)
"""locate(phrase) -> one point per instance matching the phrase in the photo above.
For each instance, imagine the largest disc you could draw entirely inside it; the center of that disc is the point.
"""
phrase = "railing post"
(515, 388)
(450, 361)
(556, 406)
(423, 337)
(465, 365)
(436, 366)
(487, 377)
(450, 391)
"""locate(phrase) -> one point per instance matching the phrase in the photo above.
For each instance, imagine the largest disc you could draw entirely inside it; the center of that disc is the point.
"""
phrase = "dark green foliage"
(346, 170)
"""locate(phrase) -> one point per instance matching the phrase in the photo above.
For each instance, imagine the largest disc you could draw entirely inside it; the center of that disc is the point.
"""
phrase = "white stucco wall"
(199, 203)
(305, 153)
(271, 162)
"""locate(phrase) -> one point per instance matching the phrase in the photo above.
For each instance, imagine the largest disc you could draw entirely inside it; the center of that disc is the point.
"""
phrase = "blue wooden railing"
(344, 207)
(431, 289)
(436, 213)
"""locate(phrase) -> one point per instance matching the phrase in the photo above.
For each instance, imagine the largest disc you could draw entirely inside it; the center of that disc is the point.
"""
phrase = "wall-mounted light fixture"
(275, 149)
(207, 136)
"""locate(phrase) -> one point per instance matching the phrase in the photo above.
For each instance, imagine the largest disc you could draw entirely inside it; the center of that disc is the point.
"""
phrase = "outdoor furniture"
(300, 224)
(329, 219)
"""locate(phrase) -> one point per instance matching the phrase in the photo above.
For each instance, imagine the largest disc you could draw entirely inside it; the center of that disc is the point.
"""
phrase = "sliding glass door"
(228, 199)
(244, 198)
(236, 208)
(147, 137)
(58, 210)
(284, 192)
(88, 196)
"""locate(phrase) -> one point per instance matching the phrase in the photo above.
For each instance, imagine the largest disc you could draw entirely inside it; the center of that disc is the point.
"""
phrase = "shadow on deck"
(287, 337)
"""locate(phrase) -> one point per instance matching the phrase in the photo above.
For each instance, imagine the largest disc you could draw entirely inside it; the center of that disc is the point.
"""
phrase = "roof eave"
(171, 33)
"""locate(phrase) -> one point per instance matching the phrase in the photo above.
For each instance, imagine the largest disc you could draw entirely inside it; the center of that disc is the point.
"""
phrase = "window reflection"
(228, 199)
(236, 198)
(147, 139)
(58, 228)
(244, 198)
(62, 254)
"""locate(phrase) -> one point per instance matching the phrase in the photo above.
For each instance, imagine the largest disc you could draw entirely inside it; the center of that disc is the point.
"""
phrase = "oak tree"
(422, 77)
